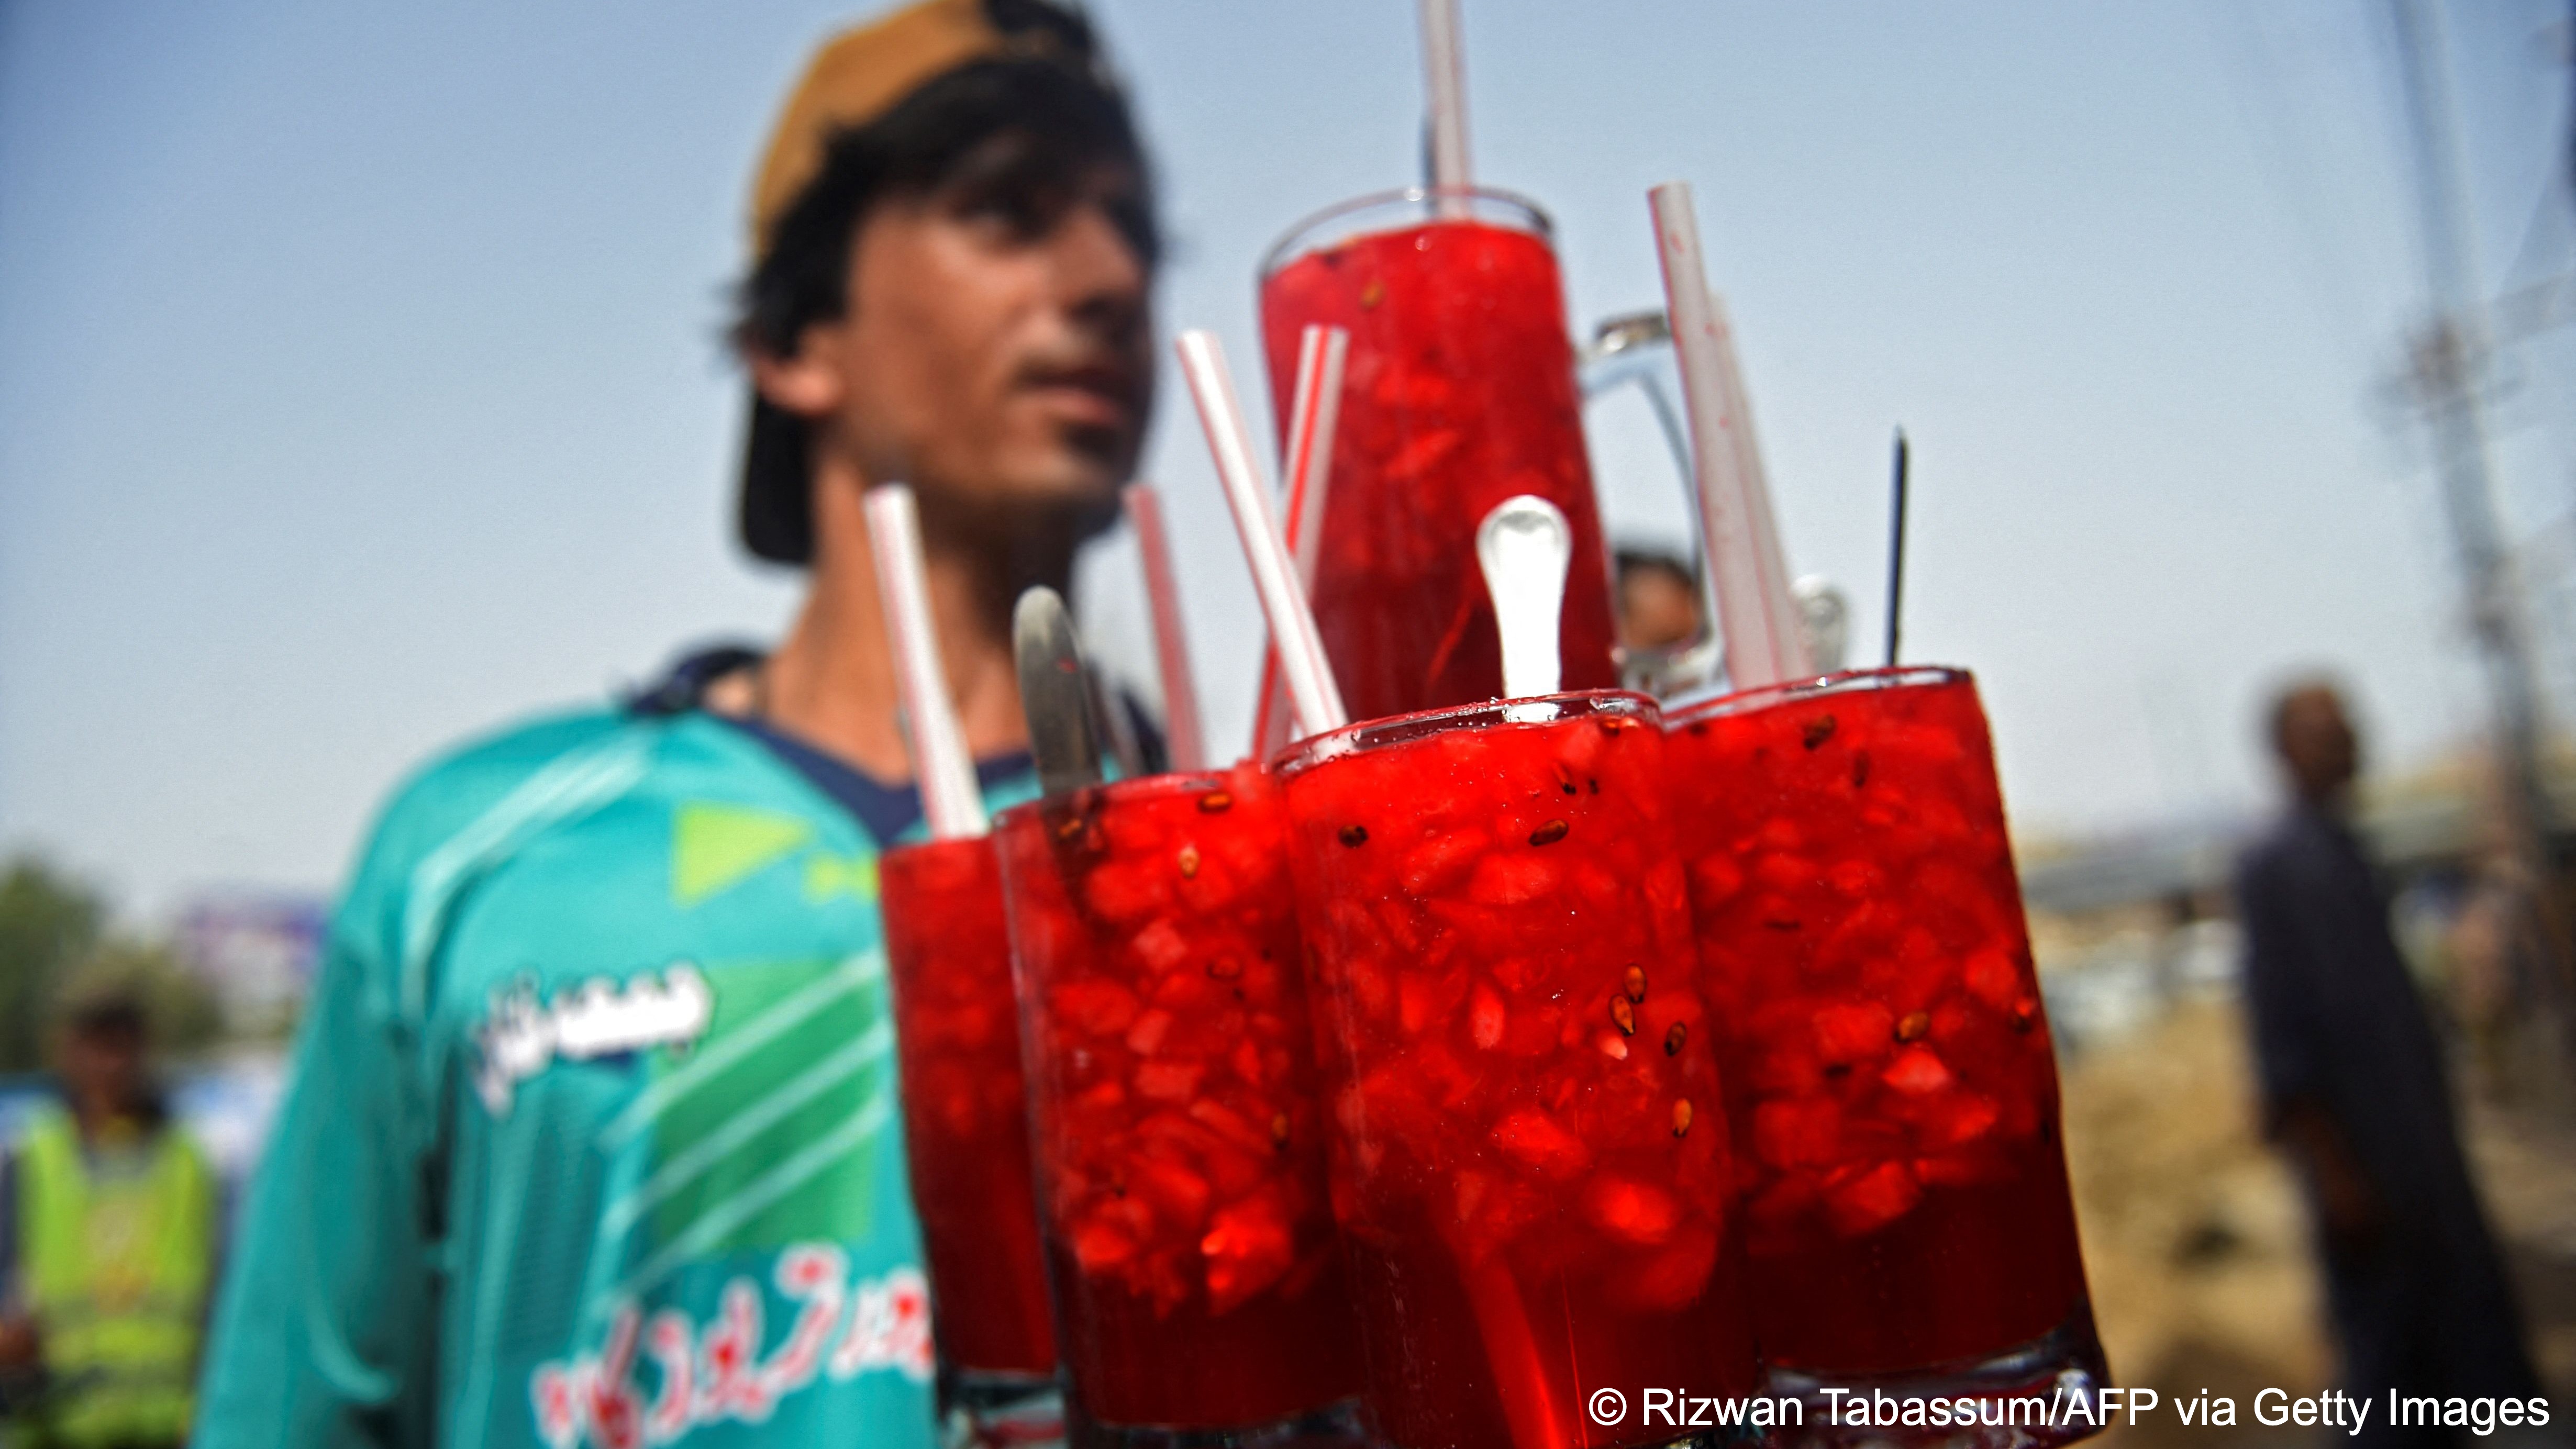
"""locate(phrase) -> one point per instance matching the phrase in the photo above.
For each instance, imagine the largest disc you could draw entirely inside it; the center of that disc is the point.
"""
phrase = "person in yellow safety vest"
(111, 1215)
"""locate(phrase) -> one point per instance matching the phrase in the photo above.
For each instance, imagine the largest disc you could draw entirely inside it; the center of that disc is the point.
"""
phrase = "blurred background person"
(2354, 1092)
(1658, 599)
(588, 1142)
(110, 1221)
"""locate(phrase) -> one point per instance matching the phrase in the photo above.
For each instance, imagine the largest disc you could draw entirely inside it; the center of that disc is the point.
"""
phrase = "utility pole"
(2446, 368)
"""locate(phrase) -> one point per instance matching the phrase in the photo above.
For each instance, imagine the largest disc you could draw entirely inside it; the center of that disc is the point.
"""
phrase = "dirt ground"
(2197, 1242)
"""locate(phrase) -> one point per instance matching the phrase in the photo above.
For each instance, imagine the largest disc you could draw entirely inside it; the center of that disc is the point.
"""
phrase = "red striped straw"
(1171, 648)
(1756, 611)
(1315, 408)
(1777, 581)
(1311, 690)
(950, 799)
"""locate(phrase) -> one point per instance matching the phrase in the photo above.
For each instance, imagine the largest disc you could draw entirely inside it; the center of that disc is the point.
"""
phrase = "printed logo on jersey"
(770, 1131)
(656, 1379)
(716, 846)
(521, 1035)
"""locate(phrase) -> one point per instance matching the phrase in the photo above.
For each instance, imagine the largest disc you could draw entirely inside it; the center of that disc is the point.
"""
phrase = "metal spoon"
(1055, 693)
(1524, 546)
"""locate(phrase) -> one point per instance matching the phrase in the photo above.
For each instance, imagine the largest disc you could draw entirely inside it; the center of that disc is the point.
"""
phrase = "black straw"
(1896, 555)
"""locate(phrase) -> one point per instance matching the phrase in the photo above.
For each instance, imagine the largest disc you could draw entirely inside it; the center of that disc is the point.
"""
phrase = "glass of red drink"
(1180, 1154)
(1459, 393)
(1530, 1158)
(1892, 1090)
(966, 1128)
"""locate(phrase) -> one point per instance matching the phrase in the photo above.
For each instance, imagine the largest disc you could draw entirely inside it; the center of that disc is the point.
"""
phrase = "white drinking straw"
(1314, 411)
(1274, 575)
(1444, 73)
(1755, 610)
(1171, 648)
(950, 800)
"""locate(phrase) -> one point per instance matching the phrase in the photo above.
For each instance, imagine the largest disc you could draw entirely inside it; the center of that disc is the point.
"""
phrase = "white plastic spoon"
(1524, 546)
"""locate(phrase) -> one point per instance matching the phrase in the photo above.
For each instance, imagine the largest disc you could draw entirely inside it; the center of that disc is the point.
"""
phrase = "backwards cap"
(854, 80)
(862, 73)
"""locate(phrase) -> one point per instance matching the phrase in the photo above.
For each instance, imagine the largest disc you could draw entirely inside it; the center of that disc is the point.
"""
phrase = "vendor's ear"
(809, 383)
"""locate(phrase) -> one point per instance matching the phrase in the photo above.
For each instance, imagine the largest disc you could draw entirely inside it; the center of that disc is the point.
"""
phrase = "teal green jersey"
(592, 1135)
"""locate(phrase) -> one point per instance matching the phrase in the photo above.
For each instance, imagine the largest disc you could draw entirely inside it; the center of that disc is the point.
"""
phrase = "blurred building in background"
(256, 952)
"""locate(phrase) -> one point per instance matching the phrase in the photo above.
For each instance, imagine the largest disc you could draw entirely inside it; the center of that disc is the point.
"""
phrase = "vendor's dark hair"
(1064, 111)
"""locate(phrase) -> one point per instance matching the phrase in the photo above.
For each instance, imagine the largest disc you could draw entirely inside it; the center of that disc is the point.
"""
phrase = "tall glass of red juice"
(966, 1129)
(1530, 1157)
(1459, 393)
(1907, 1222)
(1180, 1152)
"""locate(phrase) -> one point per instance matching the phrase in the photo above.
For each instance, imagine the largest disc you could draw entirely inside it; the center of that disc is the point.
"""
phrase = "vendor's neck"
(833, 682)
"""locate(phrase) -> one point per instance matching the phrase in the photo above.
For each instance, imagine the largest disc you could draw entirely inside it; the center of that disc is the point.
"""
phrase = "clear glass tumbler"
(1459, 392)
(966, 1134)
(1199, 1289)
(1530, 1158)
(1907, 1223)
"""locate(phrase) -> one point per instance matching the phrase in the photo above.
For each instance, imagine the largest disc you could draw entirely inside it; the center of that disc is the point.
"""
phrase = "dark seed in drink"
(2025, 1014)
(1623, 1014)
(1279, 1130)
(1634, 983)
(1860, 769)
(1913, 1026)
(1215, 801)
(1681, 1115)
(1674, 1038)
(1816, 731)
(1549, 834)
(1354, 835)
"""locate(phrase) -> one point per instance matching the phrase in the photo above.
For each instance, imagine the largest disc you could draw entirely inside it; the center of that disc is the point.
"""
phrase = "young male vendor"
(592, 1135)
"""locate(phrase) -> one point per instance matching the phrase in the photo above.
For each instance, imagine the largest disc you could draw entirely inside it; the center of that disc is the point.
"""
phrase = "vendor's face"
(996, 351)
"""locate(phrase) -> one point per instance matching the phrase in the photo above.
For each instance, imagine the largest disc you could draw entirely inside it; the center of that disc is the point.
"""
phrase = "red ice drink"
(1892, 1088)
(1459, 393)
(965, 1106)
(1529, 1159)
(1179, 1137)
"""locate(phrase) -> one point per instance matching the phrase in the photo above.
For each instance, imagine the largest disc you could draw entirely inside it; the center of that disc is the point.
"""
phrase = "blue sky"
(360, 386)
